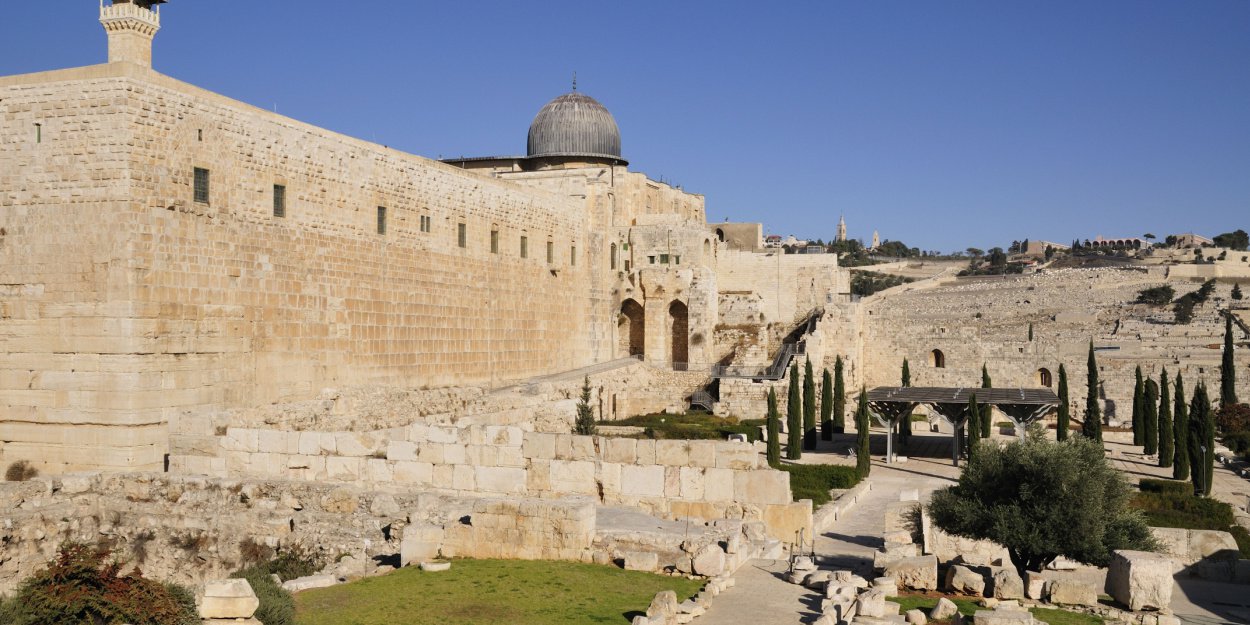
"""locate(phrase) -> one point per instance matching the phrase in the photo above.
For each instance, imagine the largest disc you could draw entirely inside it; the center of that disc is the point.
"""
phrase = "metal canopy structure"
(1021, 405)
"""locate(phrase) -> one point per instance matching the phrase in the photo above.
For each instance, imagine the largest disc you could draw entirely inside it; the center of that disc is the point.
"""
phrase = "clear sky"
(944, 124)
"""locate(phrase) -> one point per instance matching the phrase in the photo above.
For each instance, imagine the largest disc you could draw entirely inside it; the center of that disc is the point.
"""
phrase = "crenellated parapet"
(130, 29)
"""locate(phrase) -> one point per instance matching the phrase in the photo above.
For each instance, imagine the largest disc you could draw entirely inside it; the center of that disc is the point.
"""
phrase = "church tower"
(841, 229)
(131, 25)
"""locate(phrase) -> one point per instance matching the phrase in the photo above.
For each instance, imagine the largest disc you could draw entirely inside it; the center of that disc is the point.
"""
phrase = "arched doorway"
(720, 234)
(937, 359)
(679, 319)
(1044, 378)
(631, 329)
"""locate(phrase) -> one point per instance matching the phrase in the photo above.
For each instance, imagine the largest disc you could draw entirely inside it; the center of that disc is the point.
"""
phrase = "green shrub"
(1170, 507)
(277, 606)
(1172, 487)
(1239, 442)
(694, 425)
(1157, 296)
(84, 585)
(1242, 536)
(814, 481)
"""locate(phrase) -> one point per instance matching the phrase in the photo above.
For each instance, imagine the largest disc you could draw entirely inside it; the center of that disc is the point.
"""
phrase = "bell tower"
(131, 25)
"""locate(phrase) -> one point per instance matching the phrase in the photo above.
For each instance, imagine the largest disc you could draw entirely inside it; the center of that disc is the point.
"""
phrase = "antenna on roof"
(574, 81)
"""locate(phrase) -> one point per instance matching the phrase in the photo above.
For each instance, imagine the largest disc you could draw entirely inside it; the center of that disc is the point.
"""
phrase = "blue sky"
(943, 124)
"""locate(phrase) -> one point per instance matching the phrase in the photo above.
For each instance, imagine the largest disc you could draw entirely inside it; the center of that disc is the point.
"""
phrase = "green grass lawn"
(693, 425)
(477, 592)
(969, 607)
(814, 481)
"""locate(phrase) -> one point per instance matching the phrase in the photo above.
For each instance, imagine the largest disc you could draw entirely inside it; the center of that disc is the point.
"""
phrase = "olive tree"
(1041, 500)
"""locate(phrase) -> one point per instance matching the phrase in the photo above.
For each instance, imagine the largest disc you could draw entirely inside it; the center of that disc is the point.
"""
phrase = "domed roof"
(574, 124)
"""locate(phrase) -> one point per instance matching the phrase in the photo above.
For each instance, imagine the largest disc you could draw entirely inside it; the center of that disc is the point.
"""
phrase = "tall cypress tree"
(1166, 450)
(1150, 418)
(863, 436)
(1228, 370)
(826, 406)
(987, 411)
(1065, 407)
(1180, 432)
(1092, 426)
(774, 430)
(974, 425)
(1201, 441)
(904, 426)
(839, 398)
(794, 417)
(1138, 431)
(809, 407)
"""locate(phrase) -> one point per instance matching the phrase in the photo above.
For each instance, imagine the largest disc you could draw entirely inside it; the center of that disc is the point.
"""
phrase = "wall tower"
(131, 25)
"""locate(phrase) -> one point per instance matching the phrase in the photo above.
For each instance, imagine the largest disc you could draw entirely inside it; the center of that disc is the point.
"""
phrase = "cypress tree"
(839, 398)
(794, 417)
(809, 407)
(1166, 449)
(1139, 435)
(1180, 432)
(974, 425)
(585, 424)
(863, 437)
(1150, 418)
(774, 430)
(826, 406)
(987, 411)
(1065, 407)
(1228, 370)
(1092, 426)
(904, 426)
(1201, 441)
(1236, 291)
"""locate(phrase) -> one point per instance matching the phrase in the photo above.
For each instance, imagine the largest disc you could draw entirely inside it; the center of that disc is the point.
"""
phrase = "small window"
(425, 223)
(573, 256)
(279, 200)
(494, 241)
(677, 260)
(612, 255)
(525, 246)
(551, 252)
(381, 220)
(625, 246)
(663, 259)
(937, 359)
(461, 235)
(201, 185)
(651, 259)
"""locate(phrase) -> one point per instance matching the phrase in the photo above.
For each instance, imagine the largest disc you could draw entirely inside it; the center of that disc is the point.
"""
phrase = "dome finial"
(574, 81)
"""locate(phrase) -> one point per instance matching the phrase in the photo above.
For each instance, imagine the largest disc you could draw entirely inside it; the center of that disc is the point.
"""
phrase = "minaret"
(841, 229)
(876, 240)
(131, 25)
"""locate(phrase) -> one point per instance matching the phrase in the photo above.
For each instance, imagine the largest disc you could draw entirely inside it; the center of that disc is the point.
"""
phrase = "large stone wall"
(128, 307)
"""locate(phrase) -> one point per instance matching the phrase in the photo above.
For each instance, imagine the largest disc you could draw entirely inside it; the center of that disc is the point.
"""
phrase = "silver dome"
(574, 125)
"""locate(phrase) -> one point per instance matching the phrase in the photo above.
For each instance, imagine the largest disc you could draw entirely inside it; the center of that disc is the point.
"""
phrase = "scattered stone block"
(965, 580)
(228, 599)
(918, 573)
(309, 582)
(641, 561)
(1140, 580)
(888, 585)
(870, 603)
(664, 605)
(1007, 583)
(1069, 592)
(435, 567)
(944, 609)
(1034, 585)
(1003, 617)
(916, 617)
(709, 561)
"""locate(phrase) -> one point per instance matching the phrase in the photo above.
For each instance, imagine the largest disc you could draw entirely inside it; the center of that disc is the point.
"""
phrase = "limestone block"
(383, 505)
(572, 476)
(275, 442)
(344, 468)
(1034, 585)
(673, 453)
(887, 585)
(401, 450)
(455, 453)
(718, 485)
(1140, 579)
(1007, 583)
(736, 456)
(582, 448)
(356, 444)
(310, 582)
(762, 487)
(463, 477)
(228, 599)
(435, 567)
(641, 561)
(430, 453)
(240, 439)
(644, 450)
(702, 454)
(504, 436)
(692, 482)
(443, 434)
(1003, 617)
(944, 609)
(539, 446)
(620, 450)
(1212, 544)
(786, 521)
(917, 573)
(509, 480)
(1069, 592)
(377, 471)
(329, 443)
(664, 605)
(309, 443)
(870, 603)
(964, 580)
(916, 617)
(413, 472)
(418, 433)
(642, 481)
(1173, 542)
(709, 561)
(340, 501)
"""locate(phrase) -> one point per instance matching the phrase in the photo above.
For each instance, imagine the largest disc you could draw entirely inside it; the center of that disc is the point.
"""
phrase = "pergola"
(1021, 405)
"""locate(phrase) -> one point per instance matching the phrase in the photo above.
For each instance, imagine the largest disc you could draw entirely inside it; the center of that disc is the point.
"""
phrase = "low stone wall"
(704, 479)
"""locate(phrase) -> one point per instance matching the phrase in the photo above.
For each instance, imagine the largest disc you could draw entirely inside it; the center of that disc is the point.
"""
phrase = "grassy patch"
(814, 481)
(694, 425)
(1054, 616)
(476, 592)
(1168, 503)
(969, 607)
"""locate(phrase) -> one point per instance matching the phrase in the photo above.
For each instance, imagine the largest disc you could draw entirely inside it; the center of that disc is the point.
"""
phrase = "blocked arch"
(631, 329)
(1044, 377)
(679, 321)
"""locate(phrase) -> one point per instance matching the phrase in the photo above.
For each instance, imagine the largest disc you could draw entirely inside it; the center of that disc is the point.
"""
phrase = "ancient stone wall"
(790, 285)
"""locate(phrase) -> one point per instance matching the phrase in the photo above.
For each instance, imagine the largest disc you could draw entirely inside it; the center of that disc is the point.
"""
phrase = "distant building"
(1134, 243)
(1038, 248)
(1190, 239)
(841, 237)
(772, 240)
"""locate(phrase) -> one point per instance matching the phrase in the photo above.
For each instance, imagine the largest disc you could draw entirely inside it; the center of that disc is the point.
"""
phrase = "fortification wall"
(162, 311)
(789, 285)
